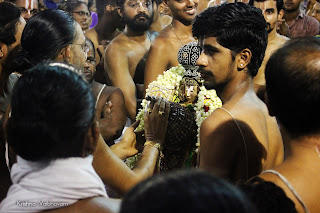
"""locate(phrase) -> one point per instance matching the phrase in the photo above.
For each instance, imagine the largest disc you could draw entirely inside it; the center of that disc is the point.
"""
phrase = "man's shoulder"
(310, 19)
(91, 33)
(118, 44)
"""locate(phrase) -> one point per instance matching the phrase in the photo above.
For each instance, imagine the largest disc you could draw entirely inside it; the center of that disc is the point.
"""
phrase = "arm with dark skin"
(111, 113)
(114, 172)
(116, 64)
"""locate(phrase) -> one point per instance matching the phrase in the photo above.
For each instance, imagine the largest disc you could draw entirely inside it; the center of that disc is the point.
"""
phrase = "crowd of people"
(73, 75)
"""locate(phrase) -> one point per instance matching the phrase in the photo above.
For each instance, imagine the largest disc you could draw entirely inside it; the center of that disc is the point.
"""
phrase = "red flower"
(206, 109)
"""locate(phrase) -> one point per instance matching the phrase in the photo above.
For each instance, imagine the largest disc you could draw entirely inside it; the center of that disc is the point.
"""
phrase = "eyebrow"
(211, 48)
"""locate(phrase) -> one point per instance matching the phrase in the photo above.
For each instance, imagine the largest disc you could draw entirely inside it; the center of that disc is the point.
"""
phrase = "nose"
(26, 16)
(202, 60)
(192, 3)
(141, 7)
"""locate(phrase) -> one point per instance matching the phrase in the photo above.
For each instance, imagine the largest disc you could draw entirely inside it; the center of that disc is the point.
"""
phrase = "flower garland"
(207, 102)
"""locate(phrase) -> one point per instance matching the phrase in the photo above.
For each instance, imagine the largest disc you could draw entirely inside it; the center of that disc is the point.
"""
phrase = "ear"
(65, 54)
(91, 139)
(280, 14)
(3, 50)
(119, 9)
(266, 100)
(109, 8)
(244, 59)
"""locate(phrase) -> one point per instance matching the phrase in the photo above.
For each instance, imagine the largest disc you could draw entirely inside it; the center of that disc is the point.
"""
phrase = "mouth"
(205, 74)
(142, 18)
(191, 11)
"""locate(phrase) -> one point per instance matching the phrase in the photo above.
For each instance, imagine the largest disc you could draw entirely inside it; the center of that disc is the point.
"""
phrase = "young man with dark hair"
(272, 12)
(164, 50)
(239, 140)
(297, 64)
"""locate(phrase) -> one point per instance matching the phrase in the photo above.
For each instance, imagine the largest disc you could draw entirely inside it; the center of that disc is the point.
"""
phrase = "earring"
(241, 65)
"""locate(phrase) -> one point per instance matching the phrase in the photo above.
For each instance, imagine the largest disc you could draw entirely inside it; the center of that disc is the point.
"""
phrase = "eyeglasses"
(85, 48)
(82, 13)
(137, 4)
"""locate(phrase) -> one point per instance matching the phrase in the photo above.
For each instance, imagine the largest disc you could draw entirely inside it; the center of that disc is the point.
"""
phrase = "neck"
(181, 28)
(291, 15)
(303, 150)
(235, 88)
(133, 35)
(272, 35)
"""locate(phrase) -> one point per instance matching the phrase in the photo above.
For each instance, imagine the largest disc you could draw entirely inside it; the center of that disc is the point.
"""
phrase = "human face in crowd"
(183, 10)
(270, 13)
(82, 15)
(138, 14)
(90, 65)
(316, 11)
(79, 49)
(28, 8)
(291, 5)
(215, 63)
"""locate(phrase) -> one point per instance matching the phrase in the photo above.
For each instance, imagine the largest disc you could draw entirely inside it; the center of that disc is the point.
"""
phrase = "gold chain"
(176, 34)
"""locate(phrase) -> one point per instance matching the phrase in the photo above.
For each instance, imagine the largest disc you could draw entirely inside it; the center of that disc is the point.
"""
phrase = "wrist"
(154, 144)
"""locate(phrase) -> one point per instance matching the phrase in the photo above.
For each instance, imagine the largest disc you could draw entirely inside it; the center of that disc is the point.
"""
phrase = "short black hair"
(292, 84)
(101, 6)
(52, 109)
(279, 3)
(9, 17)
(43, 37)
(237, 26)
(267, 196)
(185, 191)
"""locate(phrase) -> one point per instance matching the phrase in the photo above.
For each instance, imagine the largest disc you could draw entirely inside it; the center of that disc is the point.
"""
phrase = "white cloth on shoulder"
(39, 186)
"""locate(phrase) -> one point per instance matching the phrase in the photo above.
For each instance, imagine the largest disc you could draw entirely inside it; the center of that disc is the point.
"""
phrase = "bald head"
(293, 86)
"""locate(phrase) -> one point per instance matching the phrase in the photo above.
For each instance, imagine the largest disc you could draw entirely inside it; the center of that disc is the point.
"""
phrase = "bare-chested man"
(110, 108)
(164, 50)
(273, 12)
(297, 64)
(124, 56)
(239, 140)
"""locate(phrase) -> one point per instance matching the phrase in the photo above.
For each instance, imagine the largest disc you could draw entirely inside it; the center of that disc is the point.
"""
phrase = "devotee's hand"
(156, 119)
(107, 109)
(282, 28)
(127, 146)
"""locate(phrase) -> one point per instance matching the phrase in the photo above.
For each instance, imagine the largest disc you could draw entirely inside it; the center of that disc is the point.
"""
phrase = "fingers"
(135, 124)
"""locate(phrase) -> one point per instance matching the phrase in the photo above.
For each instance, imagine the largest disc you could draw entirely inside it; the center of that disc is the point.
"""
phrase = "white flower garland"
(207, 102)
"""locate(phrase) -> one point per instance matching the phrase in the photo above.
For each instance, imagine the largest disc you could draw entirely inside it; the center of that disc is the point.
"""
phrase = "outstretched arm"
(114, 172)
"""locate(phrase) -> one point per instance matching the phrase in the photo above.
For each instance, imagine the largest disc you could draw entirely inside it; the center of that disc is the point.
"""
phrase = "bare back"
(242, 137)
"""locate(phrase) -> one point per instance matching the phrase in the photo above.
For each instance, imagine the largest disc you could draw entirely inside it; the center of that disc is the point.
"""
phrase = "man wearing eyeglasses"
(124, 58)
